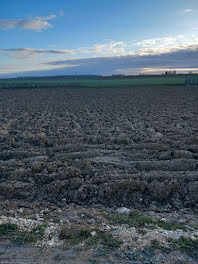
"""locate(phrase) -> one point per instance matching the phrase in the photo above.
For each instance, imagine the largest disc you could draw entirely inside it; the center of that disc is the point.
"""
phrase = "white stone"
(40, 219)
(123, 210)
(93, 233)
(20, 210)
(107, 227)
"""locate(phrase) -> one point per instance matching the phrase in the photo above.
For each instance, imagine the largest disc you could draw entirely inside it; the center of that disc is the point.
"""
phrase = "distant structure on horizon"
(170, 73)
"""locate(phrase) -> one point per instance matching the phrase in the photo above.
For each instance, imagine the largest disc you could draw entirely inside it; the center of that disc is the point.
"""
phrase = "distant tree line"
(170, 73)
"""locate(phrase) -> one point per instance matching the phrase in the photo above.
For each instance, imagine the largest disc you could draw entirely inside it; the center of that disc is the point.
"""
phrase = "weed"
(74, 236)
(77, 234)
(108, 241)
(39, 231)
(84, 234)
(134, 219)
(105, 239)
(120, 219)
(7, 228)
(92, 241)
(131, 255)
(138, 220)
(187, 245)
(169, 226)
(155, 244)
(23, 238)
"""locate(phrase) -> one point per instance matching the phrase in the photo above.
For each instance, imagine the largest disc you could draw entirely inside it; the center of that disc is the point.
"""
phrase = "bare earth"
(73, 156)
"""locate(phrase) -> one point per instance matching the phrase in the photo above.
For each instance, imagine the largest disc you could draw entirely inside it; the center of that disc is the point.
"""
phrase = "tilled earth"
(135, 147)
(129, 147)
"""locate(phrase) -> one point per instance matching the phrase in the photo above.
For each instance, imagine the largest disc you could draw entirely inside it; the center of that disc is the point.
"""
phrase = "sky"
(64, 37)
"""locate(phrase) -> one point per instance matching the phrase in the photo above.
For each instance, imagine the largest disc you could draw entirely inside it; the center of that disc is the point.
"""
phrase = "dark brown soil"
(135, 147)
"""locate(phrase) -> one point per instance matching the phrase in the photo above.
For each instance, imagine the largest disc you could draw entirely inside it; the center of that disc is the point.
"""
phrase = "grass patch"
(20, 237)
(91, 82)
(169, 226)
(133, 219)
(39, 231)
(108, 241)
(74, 236)
(187, 245)
(7, 228)
(81, 235)
(131, 255)
(23, 238)
(105, 239)
(154, 245)
(138, 220)
(33, 236)
(16, 236)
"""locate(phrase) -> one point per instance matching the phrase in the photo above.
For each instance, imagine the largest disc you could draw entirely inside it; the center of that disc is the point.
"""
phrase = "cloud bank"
(145, 56)
(28, 53)
(182, 61)
(184, 58)
(143, 47)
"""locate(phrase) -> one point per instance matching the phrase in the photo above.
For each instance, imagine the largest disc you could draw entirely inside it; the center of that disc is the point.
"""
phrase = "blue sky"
(97, 36)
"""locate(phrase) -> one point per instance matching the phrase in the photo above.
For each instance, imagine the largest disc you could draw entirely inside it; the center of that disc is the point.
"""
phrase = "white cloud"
(188, 10)
(154, 46)
(166, 41)
(36, 24)
(50, 17)
(161, 70)
(165, 45)
(141, 48)
(155, 70)
(105, 48)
